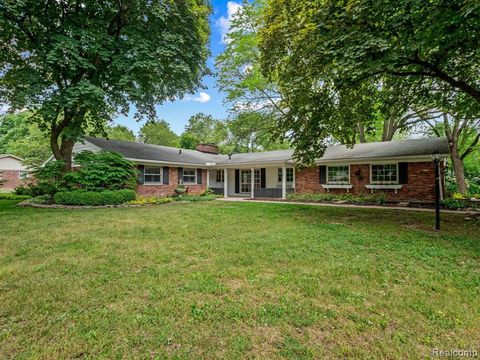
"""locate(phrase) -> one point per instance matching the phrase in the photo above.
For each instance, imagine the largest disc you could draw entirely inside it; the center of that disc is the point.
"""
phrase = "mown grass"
(236, 280)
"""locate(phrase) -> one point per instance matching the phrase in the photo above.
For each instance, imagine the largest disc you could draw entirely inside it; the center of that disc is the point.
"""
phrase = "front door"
(245, 181)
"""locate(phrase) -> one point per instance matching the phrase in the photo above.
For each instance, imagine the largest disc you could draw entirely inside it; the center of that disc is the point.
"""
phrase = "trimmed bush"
(42, 200)
(94, 198)
(195, 197)
(330, 197)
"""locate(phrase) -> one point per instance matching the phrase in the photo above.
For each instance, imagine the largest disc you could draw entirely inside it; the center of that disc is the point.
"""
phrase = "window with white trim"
(220, 176)
(152, 175)
(189, 176)
(23, 174)
(257, 179)
(384, 173)
(338, 174)
(288, 172)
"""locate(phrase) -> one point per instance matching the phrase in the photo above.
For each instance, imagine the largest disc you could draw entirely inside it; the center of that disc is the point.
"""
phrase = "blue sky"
(208, 100)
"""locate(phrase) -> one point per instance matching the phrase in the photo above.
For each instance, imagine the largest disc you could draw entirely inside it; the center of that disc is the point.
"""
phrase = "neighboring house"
(403, 170)
(12, 172)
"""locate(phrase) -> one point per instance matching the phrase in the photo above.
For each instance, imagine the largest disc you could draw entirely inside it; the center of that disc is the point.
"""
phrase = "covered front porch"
(252, 182)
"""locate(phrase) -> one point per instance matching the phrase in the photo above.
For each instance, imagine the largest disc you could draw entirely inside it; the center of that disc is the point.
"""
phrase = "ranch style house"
(402, 170)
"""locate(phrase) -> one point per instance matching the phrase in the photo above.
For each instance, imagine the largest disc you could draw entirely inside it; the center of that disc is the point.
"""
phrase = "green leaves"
(159, 133)
(75, 63)
(329, 58)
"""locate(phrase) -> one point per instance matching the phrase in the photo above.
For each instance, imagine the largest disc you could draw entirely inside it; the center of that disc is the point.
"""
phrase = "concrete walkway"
(353, 206)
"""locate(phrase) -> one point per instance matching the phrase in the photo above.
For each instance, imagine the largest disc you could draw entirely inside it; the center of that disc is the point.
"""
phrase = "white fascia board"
(170, 163)
(258, 164)
(380, 160)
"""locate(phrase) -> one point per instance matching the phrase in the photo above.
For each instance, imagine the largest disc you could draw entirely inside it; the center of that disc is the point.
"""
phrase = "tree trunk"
(458, 169)
(62, 152)
(67, 149)
(361, 133)
(388, 130)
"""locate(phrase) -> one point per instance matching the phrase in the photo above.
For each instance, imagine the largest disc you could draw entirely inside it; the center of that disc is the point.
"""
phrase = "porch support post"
(225, 183)
(208, 178)
(252, 183)
(284, 182)
(294, 179)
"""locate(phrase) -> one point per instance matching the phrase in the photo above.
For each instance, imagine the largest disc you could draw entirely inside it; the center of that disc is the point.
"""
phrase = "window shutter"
(141, 174)
(237, 181)
(180, 175)
(166, 179)
(403, 173)
(199, 176)
(263, 178)
(322, 174)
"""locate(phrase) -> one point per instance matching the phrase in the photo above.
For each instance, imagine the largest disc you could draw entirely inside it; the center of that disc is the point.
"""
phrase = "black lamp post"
(436, 161)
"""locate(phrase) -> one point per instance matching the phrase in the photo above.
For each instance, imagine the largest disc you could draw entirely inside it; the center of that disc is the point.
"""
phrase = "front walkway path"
(240, 199)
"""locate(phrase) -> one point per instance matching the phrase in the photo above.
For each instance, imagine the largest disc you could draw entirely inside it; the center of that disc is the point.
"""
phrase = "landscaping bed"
(460, 204)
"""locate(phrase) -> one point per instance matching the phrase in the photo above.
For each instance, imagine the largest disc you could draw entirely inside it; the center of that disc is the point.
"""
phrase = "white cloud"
(203, 98)
(224, 22)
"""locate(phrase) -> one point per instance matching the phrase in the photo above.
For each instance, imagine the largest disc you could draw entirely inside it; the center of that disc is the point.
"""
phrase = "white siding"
(10, 163)
(271, 179)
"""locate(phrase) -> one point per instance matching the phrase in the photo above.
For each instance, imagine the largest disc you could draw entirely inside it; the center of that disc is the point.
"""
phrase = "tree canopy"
(120, 132)
(203, 129)
(322, 53)
(20, 137)
(76, 64)
(158, 132)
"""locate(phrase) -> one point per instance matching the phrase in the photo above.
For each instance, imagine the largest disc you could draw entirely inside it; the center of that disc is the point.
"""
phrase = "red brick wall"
(421, 182)
(169, 190)
(12, 178)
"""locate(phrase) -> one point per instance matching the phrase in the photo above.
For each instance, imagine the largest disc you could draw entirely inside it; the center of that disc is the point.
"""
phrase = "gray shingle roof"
(135, 150)
(375, 150)
(387, 149)
(257, 157)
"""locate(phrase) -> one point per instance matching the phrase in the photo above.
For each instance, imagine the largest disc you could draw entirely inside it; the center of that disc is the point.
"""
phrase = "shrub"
(329, 197)
(164, 200)
(454, 204)
(195, 197)
(22, 190)
(458, 196)
(48, 179)
(150, 200)
(102, 171)
(42, 199)
(94, 198)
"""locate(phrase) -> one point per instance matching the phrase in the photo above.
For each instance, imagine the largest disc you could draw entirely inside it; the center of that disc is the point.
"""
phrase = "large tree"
(20, 137)
(317, 51)
(239, 67)
(251, 131)
(203, 129)
(120, 132)
(158, 132)
(77, 63)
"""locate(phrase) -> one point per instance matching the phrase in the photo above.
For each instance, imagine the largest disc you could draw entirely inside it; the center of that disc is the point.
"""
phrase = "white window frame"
(280, 172)
(23, 174)
(384, 182)
(145, 182)
(222, 176)
(189, 182)
(338, 182)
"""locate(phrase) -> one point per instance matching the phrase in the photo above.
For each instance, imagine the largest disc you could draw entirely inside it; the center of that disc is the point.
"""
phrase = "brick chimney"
(208, 148)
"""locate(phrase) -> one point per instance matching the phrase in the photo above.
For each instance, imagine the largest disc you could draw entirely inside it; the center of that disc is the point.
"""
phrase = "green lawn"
(236, 280)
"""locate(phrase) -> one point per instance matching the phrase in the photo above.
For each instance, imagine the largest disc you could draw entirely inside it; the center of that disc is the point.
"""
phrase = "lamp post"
(436, 161)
